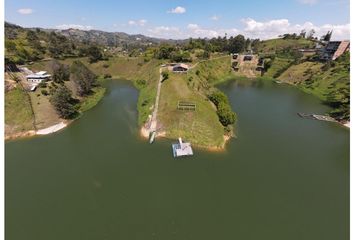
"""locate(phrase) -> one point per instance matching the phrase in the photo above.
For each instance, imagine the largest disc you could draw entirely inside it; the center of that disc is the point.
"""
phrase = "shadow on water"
(283, 177)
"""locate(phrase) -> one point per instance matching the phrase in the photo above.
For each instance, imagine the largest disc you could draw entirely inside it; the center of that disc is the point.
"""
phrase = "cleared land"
(201, 127)
(18, 113)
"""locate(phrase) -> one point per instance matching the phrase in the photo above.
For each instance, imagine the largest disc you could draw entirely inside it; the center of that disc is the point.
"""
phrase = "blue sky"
(185, 18)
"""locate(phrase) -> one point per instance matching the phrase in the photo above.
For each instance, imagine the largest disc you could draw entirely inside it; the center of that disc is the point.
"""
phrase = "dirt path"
(156, 107)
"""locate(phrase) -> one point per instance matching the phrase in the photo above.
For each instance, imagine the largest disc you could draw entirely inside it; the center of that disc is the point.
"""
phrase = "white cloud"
(308, 2)
(25, 11)
(177, 10)
(131, 22)
(140, 22)
(274, 28)
(74, 26)
(215, 18)
(165, 32)
(252, 29)
(192, 26)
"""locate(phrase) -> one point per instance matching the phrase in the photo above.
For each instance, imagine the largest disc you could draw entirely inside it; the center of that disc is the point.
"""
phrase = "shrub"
(107, 75)
(42, 85)
(44, 92)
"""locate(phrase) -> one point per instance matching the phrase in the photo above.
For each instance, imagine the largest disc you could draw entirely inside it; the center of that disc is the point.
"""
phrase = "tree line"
(61, 96)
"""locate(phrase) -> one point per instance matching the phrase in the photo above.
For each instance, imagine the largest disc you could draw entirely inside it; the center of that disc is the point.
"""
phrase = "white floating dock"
(182, 149)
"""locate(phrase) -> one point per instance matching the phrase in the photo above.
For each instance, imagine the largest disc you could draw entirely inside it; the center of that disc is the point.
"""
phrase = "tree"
(164, 75)
(237, 44)
(226, 115)
(61, 72)
(94, 54)
(83, 78)
(303, 33)
(62, 102)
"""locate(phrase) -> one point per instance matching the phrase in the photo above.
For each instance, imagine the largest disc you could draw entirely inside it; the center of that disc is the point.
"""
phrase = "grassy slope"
(278, 64)
(201, 127)
(18, 113)
(312, 79)
(273, 45)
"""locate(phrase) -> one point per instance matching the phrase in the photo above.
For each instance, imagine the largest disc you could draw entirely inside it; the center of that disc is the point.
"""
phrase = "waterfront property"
(334, 50)
(38, 77)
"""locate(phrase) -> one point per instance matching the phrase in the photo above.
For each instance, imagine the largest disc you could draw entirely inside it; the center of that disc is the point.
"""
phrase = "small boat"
(152, 137)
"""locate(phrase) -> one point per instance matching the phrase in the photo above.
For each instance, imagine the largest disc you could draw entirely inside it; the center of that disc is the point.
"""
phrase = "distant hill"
(31, 44)
(111, 39)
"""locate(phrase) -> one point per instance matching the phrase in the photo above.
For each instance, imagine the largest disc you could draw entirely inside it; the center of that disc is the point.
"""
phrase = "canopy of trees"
(61, 72)
(62, 102)
(224, 111)
(83, 78)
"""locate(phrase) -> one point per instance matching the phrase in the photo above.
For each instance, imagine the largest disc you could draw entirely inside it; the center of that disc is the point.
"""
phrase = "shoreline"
(41, 132)
(144, 133)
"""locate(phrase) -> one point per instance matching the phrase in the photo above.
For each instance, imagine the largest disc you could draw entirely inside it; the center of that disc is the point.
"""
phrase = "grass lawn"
(201, 127)
(278, 64)
(272, 45)
(18, 113)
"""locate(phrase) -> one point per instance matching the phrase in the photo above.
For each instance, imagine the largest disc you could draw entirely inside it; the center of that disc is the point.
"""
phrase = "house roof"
(38, 76)
(41, 73)
(181, 65)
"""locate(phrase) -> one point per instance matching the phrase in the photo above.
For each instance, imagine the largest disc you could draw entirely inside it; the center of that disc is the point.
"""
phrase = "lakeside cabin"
(38, 77)
(180, 68)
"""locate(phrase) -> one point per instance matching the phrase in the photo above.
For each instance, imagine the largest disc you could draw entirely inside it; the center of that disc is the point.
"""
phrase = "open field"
(201, 127)
(273, 45)
(18, 112)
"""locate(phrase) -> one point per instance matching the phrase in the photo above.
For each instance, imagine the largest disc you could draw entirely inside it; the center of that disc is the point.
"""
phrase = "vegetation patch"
(18, 113)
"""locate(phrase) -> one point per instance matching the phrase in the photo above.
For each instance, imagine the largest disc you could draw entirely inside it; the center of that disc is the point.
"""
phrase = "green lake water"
(284, 177)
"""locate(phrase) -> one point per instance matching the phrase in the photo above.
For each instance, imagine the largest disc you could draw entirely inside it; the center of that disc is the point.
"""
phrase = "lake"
(283, 177)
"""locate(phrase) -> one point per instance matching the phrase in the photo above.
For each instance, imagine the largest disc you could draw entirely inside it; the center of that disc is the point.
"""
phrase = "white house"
(38, 77)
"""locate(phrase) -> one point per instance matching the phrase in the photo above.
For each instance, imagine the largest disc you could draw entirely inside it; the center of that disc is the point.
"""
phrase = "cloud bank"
(251, 28)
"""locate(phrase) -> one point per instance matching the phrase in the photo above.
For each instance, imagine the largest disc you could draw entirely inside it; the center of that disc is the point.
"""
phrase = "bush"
(224, 111)
(226, 115)
(164, 75)
(141, 82)
(107, 75)
(42, 85)
(44, 92)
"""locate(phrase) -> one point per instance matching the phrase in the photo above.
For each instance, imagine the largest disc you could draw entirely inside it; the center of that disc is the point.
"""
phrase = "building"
(38, 77)
(248, 57)
(334, 50)
(180, 67)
